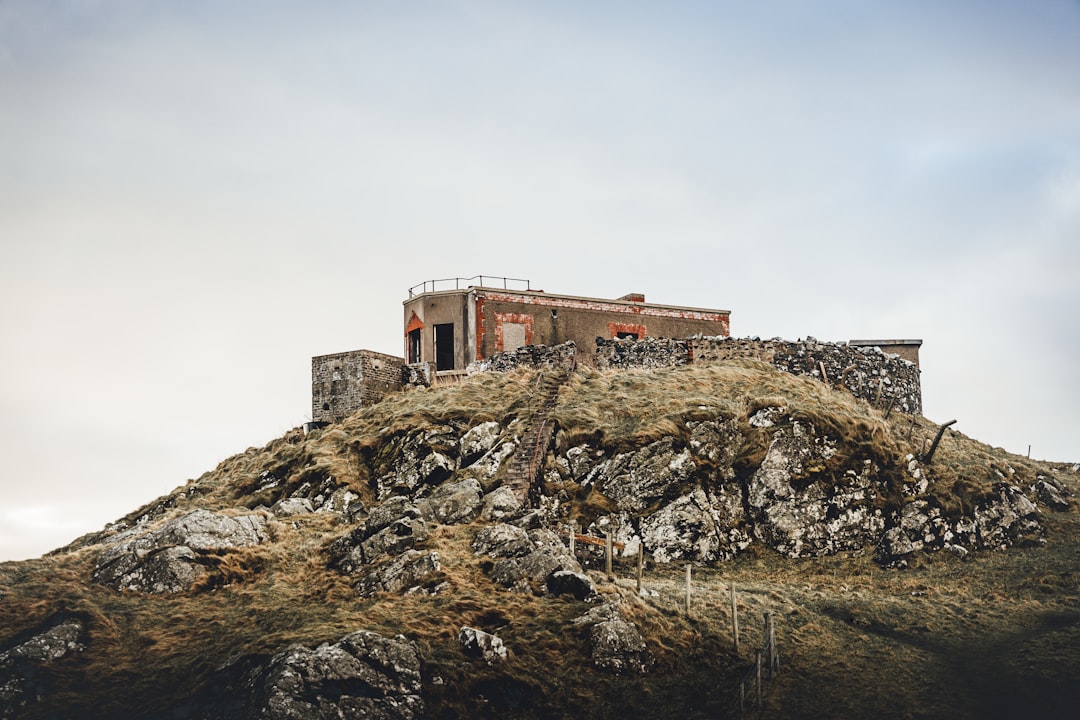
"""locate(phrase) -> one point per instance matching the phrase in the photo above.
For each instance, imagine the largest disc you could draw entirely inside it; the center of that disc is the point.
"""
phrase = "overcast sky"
(196, 197)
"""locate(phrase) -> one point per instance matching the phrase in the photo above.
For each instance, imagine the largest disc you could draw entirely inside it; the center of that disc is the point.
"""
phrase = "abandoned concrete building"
(452, 324)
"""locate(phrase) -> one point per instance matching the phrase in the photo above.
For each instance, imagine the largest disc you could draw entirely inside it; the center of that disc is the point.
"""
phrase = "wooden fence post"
(607, 557)
(688, 571)
(640, 564)
(734, 619)
(772, 643)
(573, 532)
(928, 456)
(759, 679)
(770, 638)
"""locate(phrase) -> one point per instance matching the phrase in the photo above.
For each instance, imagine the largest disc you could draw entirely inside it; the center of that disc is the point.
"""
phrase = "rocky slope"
(384, 568)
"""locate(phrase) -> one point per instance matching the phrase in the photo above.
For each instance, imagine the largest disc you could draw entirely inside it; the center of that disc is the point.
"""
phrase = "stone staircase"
(528, 460)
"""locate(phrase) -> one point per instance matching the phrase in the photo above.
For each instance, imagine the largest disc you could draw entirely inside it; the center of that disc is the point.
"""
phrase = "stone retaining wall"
(866, 372)
(343, 383)
(530, 356)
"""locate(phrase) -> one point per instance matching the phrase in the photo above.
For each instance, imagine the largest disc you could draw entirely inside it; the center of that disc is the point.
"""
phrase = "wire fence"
(753, 687)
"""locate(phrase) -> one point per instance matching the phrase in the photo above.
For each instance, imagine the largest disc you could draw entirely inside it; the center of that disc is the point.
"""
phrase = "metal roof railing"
(460, 283)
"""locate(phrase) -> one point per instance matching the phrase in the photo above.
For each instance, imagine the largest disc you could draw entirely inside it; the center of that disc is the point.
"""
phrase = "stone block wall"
(882, 379)
(648, 352)
(530, 356)
(343, 383)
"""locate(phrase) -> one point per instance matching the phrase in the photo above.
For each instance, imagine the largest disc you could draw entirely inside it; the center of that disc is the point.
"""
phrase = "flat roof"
(884, 342)
(540, 294)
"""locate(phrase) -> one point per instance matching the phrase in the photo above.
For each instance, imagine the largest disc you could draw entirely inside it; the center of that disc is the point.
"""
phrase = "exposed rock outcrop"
(526, 559)
(635, 480)
(1006, 518)
(697, 527)
(169, 558)
(24, 675)
(392, 528)
(478, 643)
(410, 572)
(419, 458)
(362, 675)
(801, 511)
(452, 502)
(382, 552)
(615, 643)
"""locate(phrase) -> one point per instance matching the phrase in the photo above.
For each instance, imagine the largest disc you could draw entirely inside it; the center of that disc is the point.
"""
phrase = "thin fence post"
(759, 679)
(770, 642)
(573, 532)
(607, 556)
(640, 564)
(734, 619)
(688, 571)
(742, 697)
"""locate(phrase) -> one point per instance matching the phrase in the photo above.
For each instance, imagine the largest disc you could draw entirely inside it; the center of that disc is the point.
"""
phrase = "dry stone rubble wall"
(865, 372)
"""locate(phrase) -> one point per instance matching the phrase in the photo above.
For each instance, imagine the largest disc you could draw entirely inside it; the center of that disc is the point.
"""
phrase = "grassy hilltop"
(993, 634)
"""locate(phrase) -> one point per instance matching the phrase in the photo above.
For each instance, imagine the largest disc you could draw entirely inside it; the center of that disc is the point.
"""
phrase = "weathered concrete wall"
(866, 372)
(556, 319)
(343, 383)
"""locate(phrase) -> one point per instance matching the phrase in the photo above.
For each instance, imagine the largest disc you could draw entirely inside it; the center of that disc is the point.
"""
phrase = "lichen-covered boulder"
(500, 504)
(24, 667)
(362, 675)
(697, 527)
(802, 511)
(502, 540)
(410, 572)
(167, 559)
(635, 480)
(716, 442)
(1007, 519)
(485, 468)
(617, 646)
(420, 458)
(288, 507)
(477, 441)
(452, 502)
(615, 643)
(478, 643)
(580, 462)
(391, 529)
(526, 558)
(1051, 493)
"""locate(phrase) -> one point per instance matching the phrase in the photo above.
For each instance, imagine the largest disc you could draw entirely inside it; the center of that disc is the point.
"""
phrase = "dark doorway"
(414, 346)
(444, 346)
